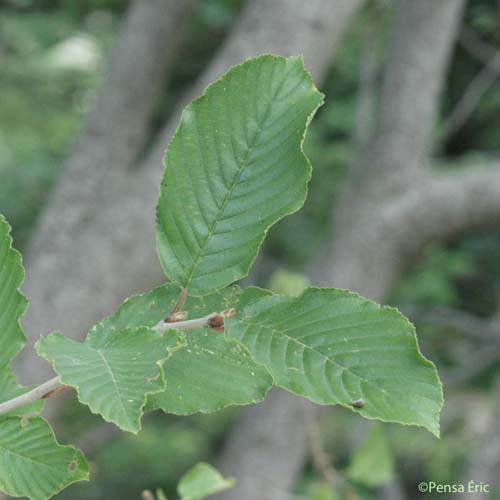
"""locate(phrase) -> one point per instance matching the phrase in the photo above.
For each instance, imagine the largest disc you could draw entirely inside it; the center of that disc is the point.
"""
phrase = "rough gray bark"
(424, 34)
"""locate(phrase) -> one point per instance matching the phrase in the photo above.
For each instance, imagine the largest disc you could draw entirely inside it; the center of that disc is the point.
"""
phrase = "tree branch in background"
(363, 254)
(67, 275)
(321, 461)
(472, 359)
(445, 207)
(483, 81)
(417, 61)
(460, 321)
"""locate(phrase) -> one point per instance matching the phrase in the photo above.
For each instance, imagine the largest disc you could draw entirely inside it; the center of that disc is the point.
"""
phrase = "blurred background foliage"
(44, 93)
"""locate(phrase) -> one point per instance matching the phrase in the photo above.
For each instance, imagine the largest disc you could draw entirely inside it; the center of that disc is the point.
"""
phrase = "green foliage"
(237, 160)
(234, 167)
(112, 372)
(432, 279)
(12, 303)
(373, 463)
(288, 283)
(335, 347)
(41, 110)
(32, 463)
(202, 481)
(321, 491)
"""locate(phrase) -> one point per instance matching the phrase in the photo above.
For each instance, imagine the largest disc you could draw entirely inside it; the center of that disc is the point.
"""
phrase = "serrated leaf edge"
(134, 430)
(430, 364)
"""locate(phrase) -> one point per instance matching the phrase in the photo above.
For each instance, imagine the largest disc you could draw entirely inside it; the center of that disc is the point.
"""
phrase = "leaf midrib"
(329, 360)
(28, 459)
(115, 385)
(233, 185)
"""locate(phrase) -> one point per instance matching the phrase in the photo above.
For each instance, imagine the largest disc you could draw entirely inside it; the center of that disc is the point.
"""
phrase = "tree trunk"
(424, 34)
(69, 283)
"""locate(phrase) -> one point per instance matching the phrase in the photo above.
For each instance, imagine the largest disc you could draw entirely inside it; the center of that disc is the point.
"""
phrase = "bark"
(417, 60)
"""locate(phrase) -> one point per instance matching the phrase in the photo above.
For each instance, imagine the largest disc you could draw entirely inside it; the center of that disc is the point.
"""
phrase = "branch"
(40, 392)
(321, 460)
(53, 386)
(478, 86)
(423, 37)
(213, 320)
(460, 321)
(476, 46)
(445, 207)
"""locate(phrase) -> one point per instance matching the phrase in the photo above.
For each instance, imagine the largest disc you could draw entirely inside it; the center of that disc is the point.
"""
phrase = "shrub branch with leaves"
(234, 167)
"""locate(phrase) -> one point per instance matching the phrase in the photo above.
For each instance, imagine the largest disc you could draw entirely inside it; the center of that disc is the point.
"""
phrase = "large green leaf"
(12, 303)
(234, 167)
(202, 481)
(113, 371)
(32, 463)
(333, 346)
(204, 372)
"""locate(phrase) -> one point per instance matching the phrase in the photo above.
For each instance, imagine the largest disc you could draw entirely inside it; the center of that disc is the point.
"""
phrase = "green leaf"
(12, 306)
(373, 462)
(32, 463)
(113, 371)
(205, 372)
(234, 167)
(202, 481)
(160, 494)
(322, 491)
(335, 347)
(12, 303)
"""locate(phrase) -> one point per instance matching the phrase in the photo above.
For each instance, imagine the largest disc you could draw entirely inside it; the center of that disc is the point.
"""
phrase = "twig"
(213, 320)
(178, 306)
(53, 386)
(321, 461)
(43, 391)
